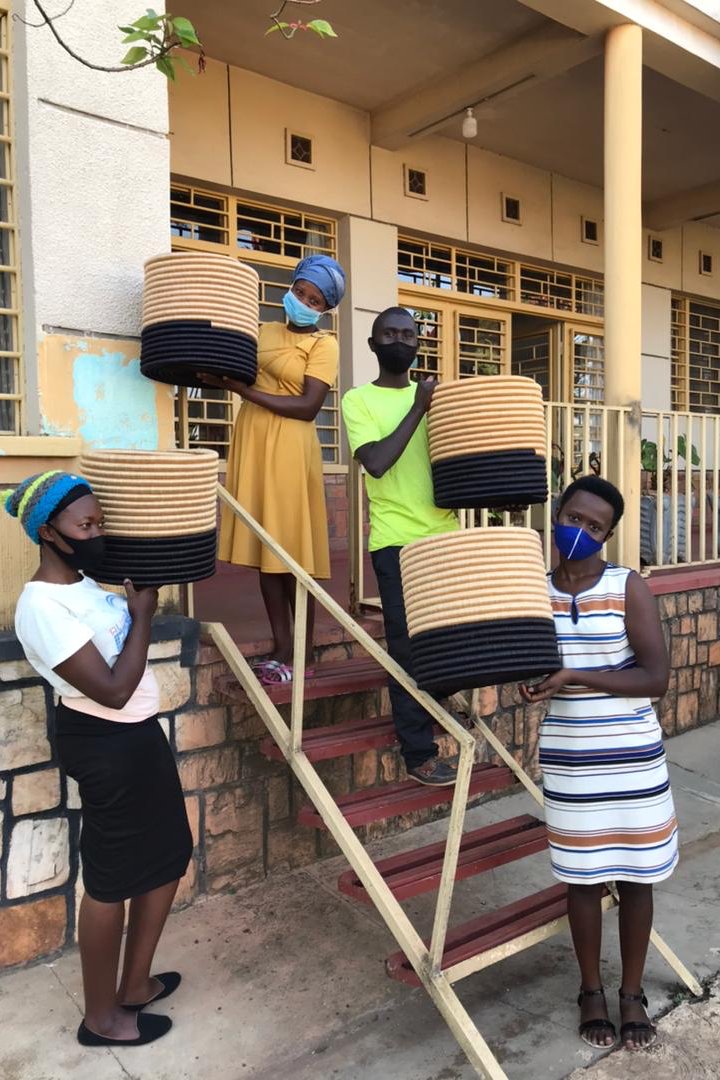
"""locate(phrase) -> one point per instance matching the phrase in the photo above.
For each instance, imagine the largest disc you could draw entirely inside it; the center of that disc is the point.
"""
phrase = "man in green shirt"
(387, 430)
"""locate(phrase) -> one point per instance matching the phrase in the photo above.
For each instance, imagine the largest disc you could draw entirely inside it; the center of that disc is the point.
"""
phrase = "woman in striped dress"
(608, 805)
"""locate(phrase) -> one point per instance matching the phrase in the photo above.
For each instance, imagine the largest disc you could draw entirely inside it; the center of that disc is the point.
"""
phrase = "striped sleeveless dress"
(608, 805)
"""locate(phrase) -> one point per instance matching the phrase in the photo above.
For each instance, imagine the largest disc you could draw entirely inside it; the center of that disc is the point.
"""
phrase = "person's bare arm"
(378, 457)
(303, 406)
(649, 678)
(113, 687)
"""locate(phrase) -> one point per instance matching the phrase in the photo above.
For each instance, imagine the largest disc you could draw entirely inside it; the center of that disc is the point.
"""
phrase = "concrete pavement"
(286, 979)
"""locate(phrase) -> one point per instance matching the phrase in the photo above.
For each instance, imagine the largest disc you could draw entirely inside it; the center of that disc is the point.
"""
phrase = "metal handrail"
(426, 961)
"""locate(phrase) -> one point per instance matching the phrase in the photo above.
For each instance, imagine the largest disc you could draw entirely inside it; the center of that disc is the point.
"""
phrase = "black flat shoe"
(170, 981)
(150, 1028)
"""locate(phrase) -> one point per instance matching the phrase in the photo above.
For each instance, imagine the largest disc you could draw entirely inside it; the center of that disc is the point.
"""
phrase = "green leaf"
(185, 31)
(151, 13)
(146, 22)
(136, 35)
(277, 26)
(127, 29)
(321, 27)
(134, 55)
(166, 66)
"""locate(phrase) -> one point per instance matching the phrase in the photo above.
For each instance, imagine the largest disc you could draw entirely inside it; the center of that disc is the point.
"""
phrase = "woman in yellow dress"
(274, 467)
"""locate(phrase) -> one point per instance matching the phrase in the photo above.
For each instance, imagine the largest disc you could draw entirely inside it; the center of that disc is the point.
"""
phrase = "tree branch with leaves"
(288, 29)
(154, 38)
(161, 36)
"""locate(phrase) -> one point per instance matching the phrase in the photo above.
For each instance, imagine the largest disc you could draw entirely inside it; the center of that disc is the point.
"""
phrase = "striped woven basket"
(160, 511)
(478, 610)
(488, 443)
(200, 314)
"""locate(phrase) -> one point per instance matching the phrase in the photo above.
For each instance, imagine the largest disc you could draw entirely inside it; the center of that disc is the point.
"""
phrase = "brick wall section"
(690, 622)
(336, 500)
(242, 807)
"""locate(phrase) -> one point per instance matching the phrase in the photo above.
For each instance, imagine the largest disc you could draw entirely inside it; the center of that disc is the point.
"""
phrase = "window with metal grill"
(695, 355)
(299, 149)
(511, 209)
(11, 375)
(273, 239)
(416, 183)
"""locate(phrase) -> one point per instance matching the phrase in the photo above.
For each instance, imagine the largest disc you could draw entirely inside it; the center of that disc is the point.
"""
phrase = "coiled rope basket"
(488, 443)
(478, 610)
(200, 314)
(160, 513)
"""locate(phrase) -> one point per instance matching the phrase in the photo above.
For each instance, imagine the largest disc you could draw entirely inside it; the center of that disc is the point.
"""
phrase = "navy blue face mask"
(574, 543)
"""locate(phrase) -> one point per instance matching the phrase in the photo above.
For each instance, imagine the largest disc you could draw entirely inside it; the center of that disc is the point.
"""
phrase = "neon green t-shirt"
(401, 502)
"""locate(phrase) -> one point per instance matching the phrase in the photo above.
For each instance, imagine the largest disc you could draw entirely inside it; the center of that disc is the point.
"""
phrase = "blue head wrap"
(326, 274)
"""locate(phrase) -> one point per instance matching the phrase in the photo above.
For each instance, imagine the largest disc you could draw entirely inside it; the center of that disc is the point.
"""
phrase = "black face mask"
(395, 356)
(87, 555)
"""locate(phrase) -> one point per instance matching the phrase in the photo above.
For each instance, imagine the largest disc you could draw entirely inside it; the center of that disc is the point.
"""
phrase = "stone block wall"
(39, 805)
(243, 807)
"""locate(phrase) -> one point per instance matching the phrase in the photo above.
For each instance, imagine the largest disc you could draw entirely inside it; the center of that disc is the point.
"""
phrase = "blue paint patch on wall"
(116, 404)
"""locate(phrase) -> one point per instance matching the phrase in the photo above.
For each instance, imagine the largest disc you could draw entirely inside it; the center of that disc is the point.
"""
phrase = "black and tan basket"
(488, 443)
(160, 511)
(478, 610)
(200, 314)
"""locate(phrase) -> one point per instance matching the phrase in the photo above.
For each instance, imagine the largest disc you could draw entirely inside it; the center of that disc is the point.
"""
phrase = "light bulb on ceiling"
(469, 124)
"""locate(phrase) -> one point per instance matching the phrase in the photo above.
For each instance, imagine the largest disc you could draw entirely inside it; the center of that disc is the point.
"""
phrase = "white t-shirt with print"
(53, 622)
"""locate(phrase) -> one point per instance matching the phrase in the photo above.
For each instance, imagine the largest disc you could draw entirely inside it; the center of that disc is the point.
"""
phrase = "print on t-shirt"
(119, 630)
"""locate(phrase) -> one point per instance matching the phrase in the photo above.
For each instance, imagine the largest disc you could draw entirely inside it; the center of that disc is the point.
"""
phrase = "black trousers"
(413, 724)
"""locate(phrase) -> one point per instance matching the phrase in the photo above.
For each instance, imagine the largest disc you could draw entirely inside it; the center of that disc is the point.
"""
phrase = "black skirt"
(135, 833)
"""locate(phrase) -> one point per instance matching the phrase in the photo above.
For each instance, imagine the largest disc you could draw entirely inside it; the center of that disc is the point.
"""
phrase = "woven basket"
(160, 514)
(478, 610)
(488, 443)
(200, 315)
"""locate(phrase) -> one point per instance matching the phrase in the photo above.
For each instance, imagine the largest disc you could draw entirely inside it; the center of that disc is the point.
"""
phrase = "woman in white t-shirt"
(92, 645)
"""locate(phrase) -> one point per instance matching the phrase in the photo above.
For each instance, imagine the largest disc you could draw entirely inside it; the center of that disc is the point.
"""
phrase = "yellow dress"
(275, 466)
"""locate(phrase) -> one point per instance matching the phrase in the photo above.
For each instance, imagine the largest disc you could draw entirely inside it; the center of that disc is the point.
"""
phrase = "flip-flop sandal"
(273, 672)
(633, 1026)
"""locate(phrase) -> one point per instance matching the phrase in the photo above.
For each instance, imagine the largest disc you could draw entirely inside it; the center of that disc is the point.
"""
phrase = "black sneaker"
(434, 773)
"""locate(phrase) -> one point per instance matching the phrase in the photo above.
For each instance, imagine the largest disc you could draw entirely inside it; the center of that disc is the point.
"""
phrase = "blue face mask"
(299, 314)
(574, 543)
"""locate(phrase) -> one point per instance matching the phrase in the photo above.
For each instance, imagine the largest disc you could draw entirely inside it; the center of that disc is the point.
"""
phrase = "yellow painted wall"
(92, 387)
(696, 238)
(668, 273)
(92, 395)
(490, 175)
(368, 251)
(443, 211)
(199, 125)
(228, 128)
(18, 562)
(260, 111)
(571, 201)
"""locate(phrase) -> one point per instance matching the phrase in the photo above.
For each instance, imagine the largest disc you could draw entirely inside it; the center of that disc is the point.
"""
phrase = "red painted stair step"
(338, 740)
(418, 871)
(480, 935)
(381, 803)
(328, 680)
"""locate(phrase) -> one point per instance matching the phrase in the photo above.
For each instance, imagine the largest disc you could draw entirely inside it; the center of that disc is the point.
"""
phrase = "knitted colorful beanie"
(39, 498)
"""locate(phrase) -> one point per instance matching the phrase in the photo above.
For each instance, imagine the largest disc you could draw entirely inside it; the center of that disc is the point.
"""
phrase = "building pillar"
(623, 260)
